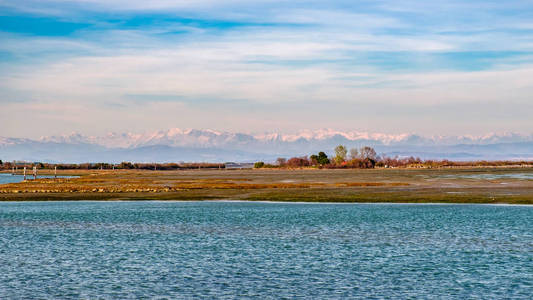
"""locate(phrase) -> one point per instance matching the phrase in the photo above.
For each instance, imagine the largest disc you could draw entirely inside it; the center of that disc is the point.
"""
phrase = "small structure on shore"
(234, 165)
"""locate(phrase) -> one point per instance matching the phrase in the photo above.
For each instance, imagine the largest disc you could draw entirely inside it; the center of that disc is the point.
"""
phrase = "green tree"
(340, 154)
(259, 165)
(322, 158)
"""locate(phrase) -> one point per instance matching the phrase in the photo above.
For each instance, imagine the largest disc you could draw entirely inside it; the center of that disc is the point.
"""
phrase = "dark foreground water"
(160, 250)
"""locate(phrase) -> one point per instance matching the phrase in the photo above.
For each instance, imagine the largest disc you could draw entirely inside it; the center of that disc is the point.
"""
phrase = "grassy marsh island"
(403, 185)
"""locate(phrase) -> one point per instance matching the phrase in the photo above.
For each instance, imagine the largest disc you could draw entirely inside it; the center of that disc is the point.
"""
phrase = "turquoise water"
(8, 178)
(489, 176)
(118, 250)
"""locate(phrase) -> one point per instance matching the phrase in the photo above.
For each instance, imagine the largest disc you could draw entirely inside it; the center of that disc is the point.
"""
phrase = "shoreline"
(141, 198)
(275, 202)
(465, 186)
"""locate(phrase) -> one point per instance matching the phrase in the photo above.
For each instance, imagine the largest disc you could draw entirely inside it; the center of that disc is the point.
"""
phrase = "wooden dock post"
(13, 171)
(24, 172)
(34, 172)
(55, 172)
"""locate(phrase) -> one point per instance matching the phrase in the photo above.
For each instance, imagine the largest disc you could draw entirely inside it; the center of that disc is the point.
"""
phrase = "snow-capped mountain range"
(210, 145)
(211, 138)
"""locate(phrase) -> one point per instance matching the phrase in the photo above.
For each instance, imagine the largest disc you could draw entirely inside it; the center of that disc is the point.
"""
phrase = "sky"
(413, 66)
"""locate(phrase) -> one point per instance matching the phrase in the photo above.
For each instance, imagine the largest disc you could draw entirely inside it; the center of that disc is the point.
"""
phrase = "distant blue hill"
(85, 152)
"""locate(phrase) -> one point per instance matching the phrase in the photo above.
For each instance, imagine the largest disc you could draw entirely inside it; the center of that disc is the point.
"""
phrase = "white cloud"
(282, 77)
(82, 91)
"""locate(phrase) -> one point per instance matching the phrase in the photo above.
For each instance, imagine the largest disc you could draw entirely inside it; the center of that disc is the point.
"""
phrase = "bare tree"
(368, 153)
(354, 153)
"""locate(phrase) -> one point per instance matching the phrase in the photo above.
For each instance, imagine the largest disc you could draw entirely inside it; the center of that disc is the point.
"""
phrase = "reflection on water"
(8, 178)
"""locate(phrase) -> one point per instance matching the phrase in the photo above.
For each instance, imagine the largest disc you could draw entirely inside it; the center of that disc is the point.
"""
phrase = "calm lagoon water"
(8, 178)
(489, 176)
(264, 250)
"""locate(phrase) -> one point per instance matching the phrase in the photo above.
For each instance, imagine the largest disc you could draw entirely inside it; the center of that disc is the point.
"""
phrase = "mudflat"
(457, 185)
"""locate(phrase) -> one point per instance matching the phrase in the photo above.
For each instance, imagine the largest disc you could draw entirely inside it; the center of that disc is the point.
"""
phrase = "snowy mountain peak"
(209, 145)
(213, 138)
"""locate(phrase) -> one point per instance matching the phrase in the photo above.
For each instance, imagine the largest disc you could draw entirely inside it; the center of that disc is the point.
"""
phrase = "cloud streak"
(267, 65)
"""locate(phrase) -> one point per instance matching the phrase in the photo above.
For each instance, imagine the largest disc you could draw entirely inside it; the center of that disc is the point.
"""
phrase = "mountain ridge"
(216, 146)
(208, 137)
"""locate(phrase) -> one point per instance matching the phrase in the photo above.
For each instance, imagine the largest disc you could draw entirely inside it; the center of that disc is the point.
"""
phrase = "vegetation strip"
(465, 185)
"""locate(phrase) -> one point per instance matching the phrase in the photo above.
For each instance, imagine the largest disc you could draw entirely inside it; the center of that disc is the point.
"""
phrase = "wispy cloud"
(302, 64)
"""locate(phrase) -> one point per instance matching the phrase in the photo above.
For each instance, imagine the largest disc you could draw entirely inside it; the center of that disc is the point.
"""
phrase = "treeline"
(367, 158)
(170, 166)
(362, 158)
(108, 166)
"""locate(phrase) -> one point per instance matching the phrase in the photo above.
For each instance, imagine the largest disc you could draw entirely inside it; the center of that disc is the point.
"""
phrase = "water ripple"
(161, 250)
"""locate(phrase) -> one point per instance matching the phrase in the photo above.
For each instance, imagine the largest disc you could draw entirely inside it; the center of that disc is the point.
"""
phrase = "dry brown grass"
(385, 185)
(126, 182)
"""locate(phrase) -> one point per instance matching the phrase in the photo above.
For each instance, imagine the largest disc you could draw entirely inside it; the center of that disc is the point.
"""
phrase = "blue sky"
(429, 67)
